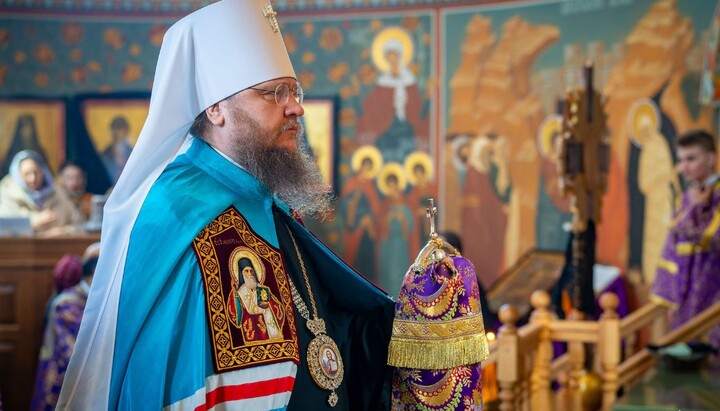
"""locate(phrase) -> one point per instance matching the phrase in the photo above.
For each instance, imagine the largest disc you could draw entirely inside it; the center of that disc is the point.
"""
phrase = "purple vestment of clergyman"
(688, 273)
(63, 323)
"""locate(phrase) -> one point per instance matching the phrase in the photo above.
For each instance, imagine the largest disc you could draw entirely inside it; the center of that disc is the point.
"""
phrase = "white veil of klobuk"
(205, 57)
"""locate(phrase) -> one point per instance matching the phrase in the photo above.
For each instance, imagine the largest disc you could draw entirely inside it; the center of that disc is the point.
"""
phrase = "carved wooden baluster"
(609, 348)
(522, 388)
(507, 363)
(526, 380)
(562, 394)
(576, 351)
(529, 390)
(541, 396)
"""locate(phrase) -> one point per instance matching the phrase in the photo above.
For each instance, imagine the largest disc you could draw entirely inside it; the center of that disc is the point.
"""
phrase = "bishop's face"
(254, 113)
(260, 130)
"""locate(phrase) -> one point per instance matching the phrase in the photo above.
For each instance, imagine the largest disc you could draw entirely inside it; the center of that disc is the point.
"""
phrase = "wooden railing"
(524, 356)
(640, 362)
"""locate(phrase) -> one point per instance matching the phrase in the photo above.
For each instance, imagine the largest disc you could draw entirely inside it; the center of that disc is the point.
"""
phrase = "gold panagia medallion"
(325, 365)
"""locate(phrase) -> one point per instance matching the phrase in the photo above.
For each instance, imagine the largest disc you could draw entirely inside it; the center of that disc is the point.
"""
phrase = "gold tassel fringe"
(442, 345)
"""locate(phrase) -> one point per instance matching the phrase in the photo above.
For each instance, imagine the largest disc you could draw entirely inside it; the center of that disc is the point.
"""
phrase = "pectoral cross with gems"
(431, 214)
(270, 14)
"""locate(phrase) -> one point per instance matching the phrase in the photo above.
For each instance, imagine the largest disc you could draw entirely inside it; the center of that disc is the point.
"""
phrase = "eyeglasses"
(282, 93)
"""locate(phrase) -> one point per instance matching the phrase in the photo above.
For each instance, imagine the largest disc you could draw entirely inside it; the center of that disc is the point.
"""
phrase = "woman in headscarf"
(29, 191)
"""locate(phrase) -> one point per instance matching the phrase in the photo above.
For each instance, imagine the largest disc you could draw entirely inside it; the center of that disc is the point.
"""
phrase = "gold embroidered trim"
(688, 248)
(438, 345)
(439, 393)
(685, 248)
(438, 303)
(710, 231)
(669, 266)
(661, 301)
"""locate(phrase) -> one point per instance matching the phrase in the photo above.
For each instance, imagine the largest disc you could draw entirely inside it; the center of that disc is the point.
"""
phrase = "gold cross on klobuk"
(270, 14)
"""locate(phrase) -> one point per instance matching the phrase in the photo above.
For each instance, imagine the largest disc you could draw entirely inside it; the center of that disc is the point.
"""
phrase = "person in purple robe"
(64, 314)
(66, 273)
(688, 271)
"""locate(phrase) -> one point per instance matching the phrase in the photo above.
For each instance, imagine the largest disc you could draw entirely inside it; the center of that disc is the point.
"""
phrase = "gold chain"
(328, 379)
(299, 303)
(307, 281)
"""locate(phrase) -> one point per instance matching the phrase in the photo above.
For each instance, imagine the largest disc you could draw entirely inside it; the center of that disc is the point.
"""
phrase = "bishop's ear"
(215, 114)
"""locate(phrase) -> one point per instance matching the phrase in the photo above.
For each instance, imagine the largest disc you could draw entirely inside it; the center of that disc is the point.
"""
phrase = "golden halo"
(241, 252)
(391, 33)
(549, 127)
(418, 158)
(642, 110)
(391, 169)
(369, 152)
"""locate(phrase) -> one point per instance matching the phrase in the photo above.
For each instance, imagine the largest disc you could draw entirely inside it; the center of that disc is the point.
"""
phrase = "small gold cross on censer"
(436, 249)
(270, 14)
(431, 214)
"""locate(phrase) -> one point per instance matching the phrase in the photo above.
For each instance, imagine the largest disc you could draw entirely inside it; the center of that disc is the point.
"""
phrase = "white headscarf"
(42, 194)
(205, 57)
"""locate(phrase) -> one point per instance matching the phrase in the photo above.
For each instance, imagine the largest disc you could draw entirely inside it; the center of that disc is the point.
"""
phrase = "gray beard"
(293, 176)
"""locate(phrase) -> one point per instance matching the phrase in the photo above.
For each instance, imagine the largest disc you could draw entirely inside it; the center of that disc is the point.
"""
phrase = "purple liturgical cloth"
(688, 273)
(63, 323)
(438, 338)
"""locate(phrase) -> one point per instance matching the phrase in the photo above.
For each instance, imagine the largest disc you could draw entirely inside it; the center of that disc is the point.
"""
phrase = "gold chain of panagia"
(299, 301)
